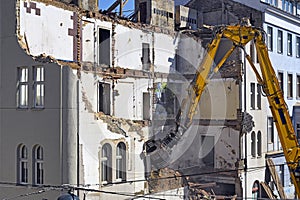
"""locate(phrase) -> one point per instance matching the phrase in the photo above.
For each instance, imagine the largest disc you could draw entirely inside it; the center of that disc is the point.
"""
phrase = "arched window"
(106, 163)
(38, 164)
(253, 144)
(259, 151)
(255, 190)
(22, 164)
(121, 161)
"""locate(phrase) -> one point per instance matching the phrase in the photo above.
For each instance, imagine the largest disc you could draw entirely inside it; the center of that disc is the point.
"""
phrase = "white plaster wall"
(88, 40)
(128, 46)
(164, 52)
(47, 33)
(282, 62)
(128, 95)
(220, 100)
(190, 53)
(94, 133)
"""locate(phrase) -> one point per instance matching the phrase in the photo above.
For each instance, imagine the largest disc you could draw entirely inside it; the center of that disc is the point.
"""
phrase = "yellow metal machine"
(240, 35)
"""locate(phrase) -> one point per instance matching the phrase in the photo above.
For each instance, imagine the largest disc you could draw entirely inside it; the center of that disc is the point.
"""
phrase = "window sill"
(119, 180)
(289, 98)
(38, 108)
(22, 184)
(106, 184)
(22, 108)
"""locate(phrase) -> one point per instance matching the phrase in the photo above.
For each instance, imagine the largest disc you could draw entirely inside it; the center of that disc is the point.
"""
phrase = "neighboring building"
(82, 91)
(78, 90)
(280, 20)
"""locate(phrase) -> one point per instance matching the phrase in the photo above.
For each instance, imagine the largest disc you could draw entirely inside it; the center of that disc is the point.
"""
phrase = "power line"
(142, 180)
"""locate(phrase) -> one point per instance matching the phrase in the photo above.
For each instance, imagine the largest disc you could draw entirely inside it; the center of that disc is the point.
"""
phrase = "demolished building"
(87, 89)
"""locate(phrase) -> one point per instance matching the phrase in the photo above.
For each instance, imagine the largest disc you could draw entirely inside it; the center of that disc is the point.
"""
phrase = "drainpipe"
(60, 125)
(245, 109)
(78, 147)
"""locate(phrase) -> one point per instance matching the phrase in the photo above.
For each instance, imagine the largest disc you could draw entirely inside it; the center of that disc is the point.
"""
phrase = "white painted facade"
(51, 31)
(277, 20)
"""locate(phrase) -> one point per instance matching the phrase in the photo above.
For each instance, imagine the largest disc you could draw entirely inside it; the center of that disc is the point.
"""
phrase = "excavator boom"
(240, 35)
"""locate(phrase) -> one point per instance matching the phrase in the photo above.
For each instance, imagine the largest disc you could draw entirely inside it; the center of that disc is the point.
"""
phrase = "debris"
(121, 126)
(165, 179)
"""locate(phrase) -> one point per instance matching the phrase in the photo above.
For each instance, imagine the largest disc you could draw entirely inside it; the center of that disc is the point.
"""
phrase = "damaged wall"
(220, 100)
(187, 18)
(157, 13)
(218, 12)
(47, 29)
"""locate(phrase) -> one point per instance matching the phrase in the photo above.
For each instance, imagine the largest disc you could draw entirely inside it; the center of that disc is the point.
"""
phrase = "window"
(39, 87)
(22, 93)
(121, 162)
(272, 2)
(22, 164)
(143, 12)
(291, 7)
(252, 95)
(259, 150)
(298, 130)
(207, 150)
(270, 38)
(297, 9)
(258, 97)
(298, 47)
(298, 87)
(270, 130)
(289, 44)
(106, 164)
(280, 170)
(255, 190)
(38, 171)
(279, 42)
(104, 98)
(104, 47)
(252, 51)
(280, 80)
(146, 106)
(290, 86)
(253, 144)
(146, 56)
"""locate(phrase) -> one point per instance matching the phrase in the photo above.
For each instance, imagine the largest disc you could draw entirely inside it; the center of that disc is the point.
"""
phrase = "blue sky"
(104, 4)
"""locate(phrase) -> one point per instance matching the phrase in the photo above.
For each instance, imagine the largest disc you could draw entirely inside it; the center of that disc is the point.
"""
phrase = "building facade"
(81, 92)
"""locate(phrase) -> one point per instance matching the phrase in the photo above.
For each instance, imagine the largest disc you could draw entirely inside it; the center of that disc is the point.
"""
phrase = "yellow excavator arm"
(240, 35)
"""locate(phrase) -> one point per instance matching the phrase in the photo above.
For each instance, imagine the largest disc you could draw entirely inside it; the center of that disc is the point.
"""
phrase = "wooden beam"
(268, 190)
(276, 178)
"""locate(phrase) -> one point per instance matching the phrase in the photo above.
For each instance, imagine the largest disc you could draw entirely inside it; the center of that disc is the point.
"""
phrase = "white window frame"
(38, 165)
(22, 165)
(270, 38)
(297, 47)
(289, 44)
(121, 162)
(39, 86)
(106, 164)
(280, 41)
(23, 86)
(253, 144)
